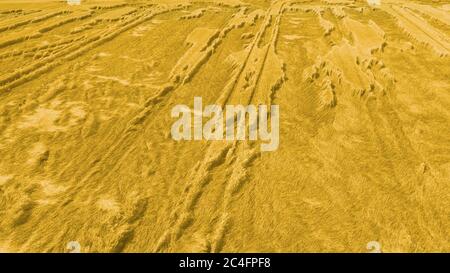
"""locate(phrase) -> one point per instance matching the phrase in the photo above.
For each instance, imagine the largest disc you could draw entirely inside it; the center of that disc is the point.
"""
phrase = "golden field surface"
(86, 153)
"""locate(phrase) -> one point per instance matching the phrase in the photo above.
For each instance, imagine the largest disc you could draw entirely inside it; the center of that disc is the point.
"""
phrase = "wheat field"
(86, 153)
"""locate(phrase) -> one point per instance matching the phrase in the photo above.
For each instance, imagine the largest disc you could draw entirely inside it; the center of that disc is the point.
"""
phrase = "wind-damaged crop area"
(86, 155)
